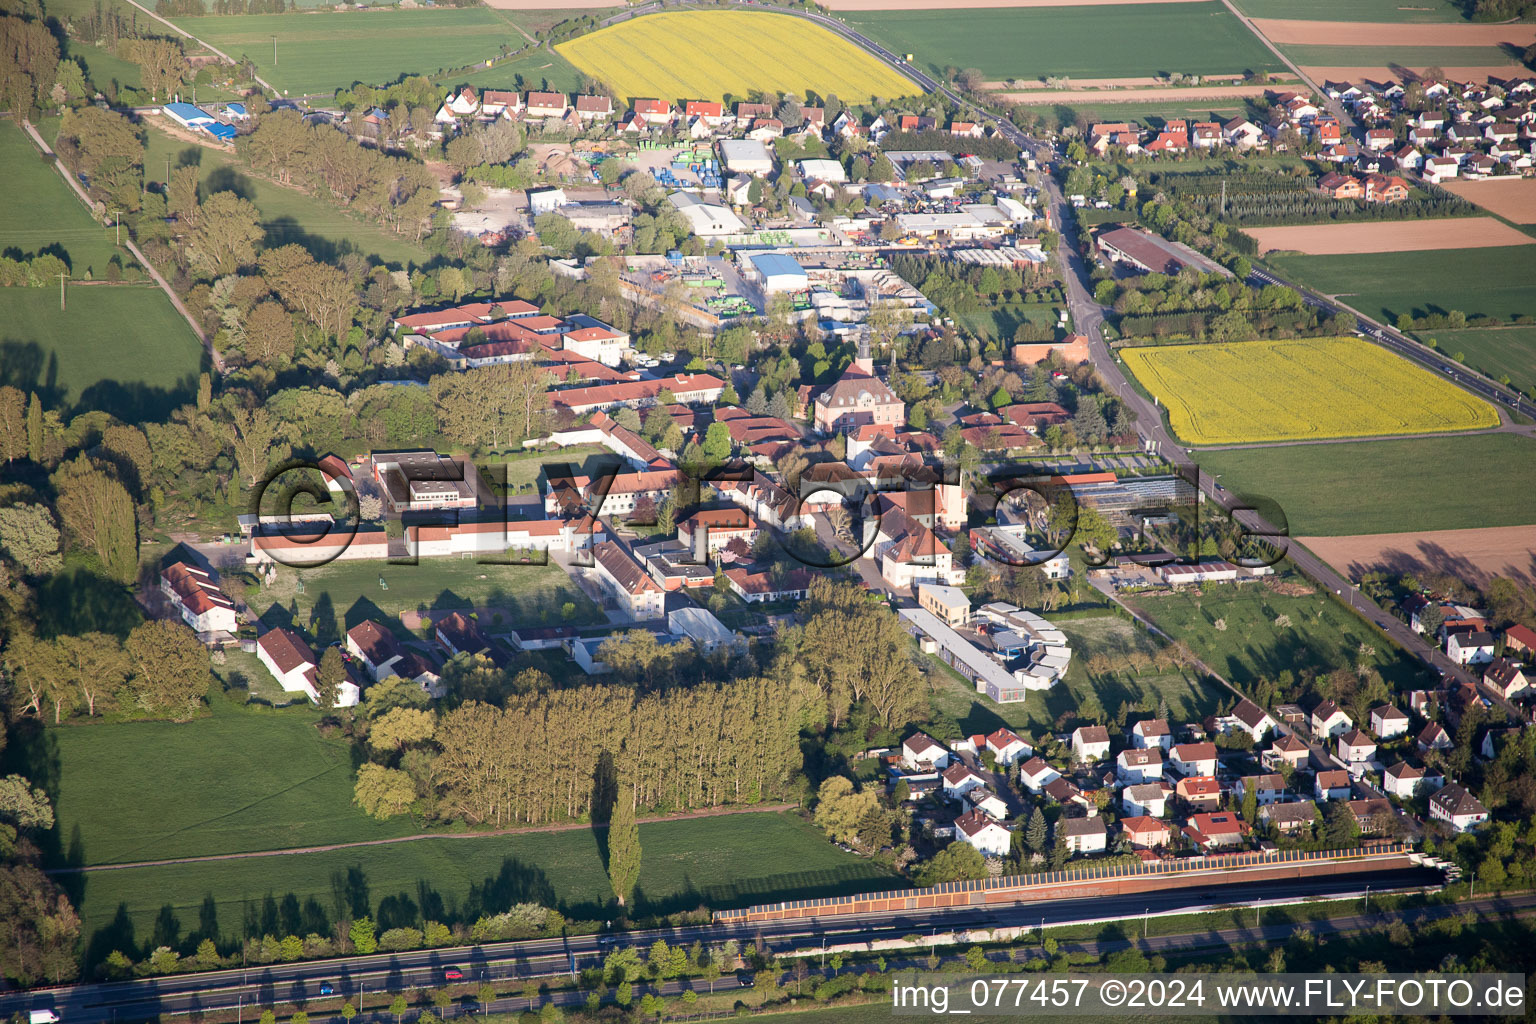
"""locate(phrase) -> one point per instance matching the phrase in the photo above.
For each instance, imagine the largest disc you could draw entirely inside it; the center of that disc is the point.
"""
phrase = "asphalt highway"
(374, 979)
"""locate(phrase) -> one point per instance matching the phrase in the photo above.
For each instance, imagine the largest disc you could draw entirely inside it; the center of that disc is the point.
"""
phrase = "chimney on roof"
(864, 364)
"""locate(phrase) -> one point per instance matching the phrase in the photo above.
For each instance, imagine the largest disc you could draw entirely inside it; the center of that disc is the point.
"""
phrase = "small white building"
(1036, 774)
(1139, 764)
(1084, 835)
(988, 837)
(1193, 759)
(545, 200)
(197, 599)
(746, 156)
(1148, 798)
(702, 627)
(960, 780)
(1387, 722)
(1152, 732)
(1457, 807)
(1090, 743)
(920, 751)
(1007, 746)
(780, 273)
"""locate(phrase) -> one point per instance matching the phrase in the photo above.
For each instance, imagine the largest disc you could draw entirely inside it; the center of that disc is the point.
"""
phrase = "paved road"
(503, 961)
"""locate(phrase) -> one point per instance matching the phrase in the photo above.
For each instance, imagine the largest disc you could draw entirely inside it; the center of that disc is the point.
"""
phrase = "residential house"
(1329, 720)
(501, 103)
(1457, 807)
(543, 105)
(1267, 789)
(988, 837)
(1241, 133)
(1371, 814)
(960, 780)
(1084, 835)
(1331, 784)
(1506, 678)
(459, 633)
(1090, 743)
(1290, 817)
(594, 108)
(1007, 747)
(756, 586)
(1404, 780)
(921, 752)
(1036, 774)
(630, 585)
(376, 647)
(198, 599)
(1145, 833)
(1252, 719)
(987, 802)
(1287, 750)
(1190, 759)
(1388, 722)
(710, 112)
(293, 664)
(1341, 186)
(1355, 747)
(1470, 648)
(706, 532)
(1139, 765)
(1199, 792)
(1519, 639)
(1145, 798)
(1434, 737)
(654, 112)
(1212, 830)
(1379, 139)
(1066, 794)
(1151, 732)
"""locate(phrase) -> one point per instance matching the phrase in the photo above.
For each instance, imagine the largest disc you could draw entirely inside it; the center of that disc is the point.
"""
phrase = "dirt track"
(1366, 33)
(1471, 555)
(946, 5)
(1390, 236)
(1511, 198)
(1172, 97)
(1385, 73)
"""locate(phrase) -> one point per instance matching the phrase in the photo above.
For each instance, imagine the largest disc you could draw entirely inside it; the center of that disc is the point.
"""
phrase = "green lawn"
(1494, 281)
(52, 215)
(1353, 10)
(539, 69)
(326, 51)
(287, 215)
(340, 595)
(1387, 486)
(1157, 113)
(1000, 324)
(1256, 643)
(1494, 351)
(119, 348)
(1082, 42)
(1414, 57)
(1189, 697)
(725, 861)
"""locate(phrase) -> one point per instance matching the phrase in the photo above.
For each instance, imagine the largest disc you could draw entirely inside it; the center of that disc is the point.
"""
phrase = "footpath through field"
(568, 827)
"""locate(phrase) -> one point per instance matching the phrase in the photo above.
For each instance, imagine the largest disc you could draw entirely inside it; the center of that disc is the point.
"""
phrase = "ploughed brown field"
(1170, 96)
(1470, 555)
(1371, 33)
(1390, 236)
(1511, 198)
(1383, 73)
(544, 5)
(945, 5)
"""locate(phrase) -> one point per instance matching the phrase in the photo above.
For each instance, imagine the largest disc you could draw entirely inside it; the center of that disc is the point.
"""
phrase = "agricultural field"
(1080, 42)
(52, 214)
(1514, 199)
(1389, 236)
(1155, 113)
(697, 54)
(537, 69)
(1492, 282)
(1365, 59)
(1310, 389)
(381, 45)
(1386, 486)
(1190, 697)
(1473, 555)
(1401, 11)
(1394, 33)
(287, 215)
(1493, 351)
(1248, 631)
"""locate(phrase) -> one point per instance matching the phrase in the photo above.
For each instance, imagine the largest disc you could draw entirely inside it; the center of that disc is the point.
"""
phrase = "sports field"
(1387, 486)
(1081, 42)
(1493, 351)
(287, 215)
(1493, 282)
(698, 55)
(379, 45)
(1308, 389)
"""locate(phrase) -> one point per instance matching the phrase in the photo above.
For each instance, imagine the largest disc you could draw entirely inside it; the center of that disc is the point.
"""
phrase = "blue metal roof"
(221, 131)
(772, 264)
(187, 112)
(236, 108)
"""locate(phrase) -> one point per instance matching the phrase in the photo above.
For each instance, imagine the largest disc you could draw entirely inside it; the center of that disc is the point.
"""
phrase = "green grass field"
(1387, 486)
(1414, 57)
(1083, 42)
(338, 596)
(1494, 281)
(379, 46)
(287, 215)
(1189, 697)
(1256, 643)
(1000, 324)
(1494, 351)
(1157, 113)
(723, 861)
(539, 69)
(52, 215)
(1353, 10)
(120, 348)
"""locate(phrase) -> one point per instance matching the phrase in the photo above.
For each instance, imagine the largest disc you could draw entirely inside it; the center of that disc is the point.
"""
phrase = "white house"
(1035, 774)
(1084, 835)
(960, 780)
(1151, 732)
(1332, 784)
(1267, 789)
(1148, 798)
(1355, 747)
(1248, 717)
(988, 837)
(1194, 758)
(1457, 807)
(1139, 765)
(920, 751)
(376, 647)
(1470, 648)
(1007, 747)
(197, 599)
(1387, 722)
(1434, 737)
(629, 584)
(1329, 720)
(1090, 743)
(1405, 781)
(293, 664)
(987, 802)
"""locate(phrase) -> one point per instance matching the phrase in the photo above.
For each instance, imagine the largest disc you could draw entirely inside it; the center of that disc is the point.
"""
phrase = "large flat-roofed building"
(990, 677)
(746, 156)
(1154, 255)
(413, 481)
(948, 603)
(780, 273)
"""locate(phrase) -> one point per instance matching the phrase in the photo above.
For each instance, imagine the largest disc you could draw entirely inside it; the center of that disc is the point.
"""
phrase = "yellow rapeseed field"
(706, 55)
(1304, 389)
